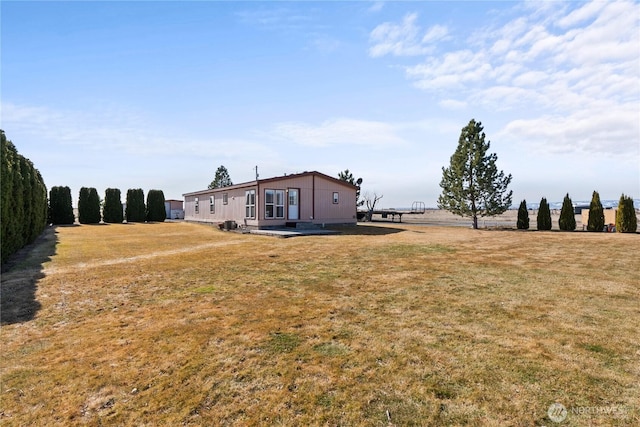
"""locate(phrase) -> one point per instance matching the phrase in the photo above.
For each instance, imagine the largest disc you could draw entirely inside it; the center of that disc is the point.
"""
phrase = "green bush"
(596, 214)
(88, 206)
(544, 215)
(112, 212)
(135, 210)
(567, 221)
(523, 216)
(626, 220)
(155, 206)
(23, 200)
(60, 206)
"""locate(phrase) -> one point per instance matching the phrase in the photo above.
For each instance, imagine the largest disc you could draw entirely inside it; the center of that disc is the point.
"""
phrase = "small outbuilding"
(174, 209)
(298, 200)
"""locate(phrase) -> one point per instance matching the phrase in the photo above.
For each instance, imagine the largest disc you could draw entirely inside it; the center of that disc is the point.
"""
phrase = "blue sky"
(157, 95)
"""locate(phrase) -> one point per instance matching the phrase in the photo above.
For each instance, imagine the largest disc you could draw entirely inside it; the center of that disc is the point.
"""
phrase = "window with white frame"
(279, 203)
(225, 198)
(250, 203)
(197, 205)
(212, 204)
(336, 197)
(273, 204)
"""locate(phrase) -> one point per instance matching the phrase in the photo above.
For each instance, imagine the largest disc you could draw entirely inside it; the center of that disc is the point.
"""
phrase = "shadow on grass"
(367, 230)
(20, 275)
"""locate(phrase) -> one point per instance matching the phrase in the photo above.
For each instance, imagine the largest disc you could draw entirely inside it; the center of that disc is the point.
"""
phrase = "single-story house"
(297, 200)
(174, 209)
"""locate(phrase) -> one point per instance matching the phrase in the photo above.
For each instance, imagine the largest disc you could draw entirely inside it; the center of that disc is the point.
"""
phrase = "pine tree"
(472, 185)
(567, 221)
(135, 211)
(113, 206)
(222, 178)
(544, 215)
(60, 206)
(523, 216)
(348, 177)
(596, 214)
(155, 206)
(626, 220)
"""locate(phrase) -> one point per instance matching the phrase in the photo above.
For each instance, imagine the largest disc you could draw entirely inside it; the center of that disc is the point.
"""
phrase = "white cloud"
(452, 70)
(614, 130)
(569, 71)
(114, 131)
(338, 132)
(275, 18)
(376, 6)
(582, 14)
(404, 39)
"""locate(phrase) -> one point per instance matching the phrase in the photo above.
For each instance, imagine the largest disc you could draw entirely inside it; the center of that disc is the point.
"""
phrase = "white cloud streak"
(338, 132)
(115, 131)
(570, 74)
(404, 39)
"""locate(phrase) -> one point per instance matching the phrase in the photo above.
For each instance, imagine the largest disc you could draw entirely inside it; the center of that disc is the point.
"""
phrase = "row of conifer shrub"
(92, 211)
(23, 200)
(626, 221)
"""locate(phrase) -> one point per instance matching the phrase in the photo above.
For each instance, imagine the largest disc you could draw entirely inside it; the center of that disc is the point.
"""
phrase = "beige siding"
(315, 202)
(175, 204)
(329, 212)
(233, 210)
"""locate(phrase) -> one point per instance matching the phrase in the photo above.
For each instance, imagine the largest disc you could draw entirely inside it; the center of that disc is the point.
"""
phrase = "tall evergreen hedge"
(544, 215)
(155, 206)
(567, 221)
(135, 211)
(60, 206)
(596, 214)
(523, 216)
(89, 206)
(23, 200)
(626, 220)
(112, 212)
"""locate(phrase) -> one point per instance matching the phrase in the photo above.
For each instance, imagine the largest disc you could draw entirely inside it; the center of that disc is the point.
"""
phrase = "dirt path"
(51, 270)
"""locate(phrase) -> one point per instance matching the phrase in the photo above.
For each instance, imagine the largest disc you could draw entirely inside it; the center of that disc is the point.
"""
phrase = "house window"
(212, 204)
(273, 204)
(336, 198)
(279, 203)
(250, 204)
(225, 198)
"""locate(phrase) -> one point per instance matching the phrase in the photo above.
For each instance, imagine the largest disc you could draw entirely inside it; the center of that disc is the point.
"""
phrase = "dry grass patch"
(181, 324)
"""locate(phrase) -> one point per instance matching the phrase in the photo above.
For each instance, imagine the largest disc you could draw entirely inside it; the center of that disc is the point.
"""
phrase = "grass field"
(394, 324)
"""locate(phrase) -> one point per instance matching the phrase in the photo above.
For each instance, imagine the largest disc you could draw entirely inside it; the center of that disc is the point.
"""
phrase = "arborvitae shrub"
(135, 211)
(544, 215)
(155, 206)
(23, 200)
(88, 206)
(60, 206)
(596, 214)
(626, 220)
(567, 221)
(112, 212)
(523, 216)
